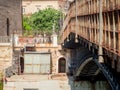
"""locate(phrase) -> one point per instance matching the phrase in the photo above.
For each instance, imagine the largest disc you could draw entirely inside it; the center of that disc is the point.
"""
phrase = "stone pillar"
(16, 39)
(54, 40)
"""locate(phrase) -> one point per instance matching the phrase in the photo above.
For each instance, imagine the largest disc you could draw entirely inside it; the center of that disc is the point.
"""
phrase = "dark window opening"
(30, 48)
(22, 64)
(62, 65)
(7, 26)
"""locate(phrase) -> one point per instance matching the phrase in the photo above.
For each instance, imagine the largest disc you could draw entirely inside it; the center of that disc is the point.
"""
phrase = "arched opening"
(62, 65)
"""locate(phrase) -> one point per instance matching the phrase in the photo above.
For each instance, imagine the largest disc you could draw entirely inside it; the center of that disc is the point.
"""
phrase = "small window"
(30, 89)
(38, 7)
(49, 6)
(23, 10)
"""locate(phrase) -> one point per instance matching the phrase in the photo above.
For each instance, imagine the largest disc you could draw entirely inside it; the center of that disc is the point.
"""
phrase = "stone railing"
(5, 39)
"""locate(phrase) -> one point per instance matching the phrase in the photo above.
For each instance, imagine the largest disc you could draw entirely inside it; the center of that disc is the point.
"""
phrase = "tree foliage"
(42, 21)
(27, 26)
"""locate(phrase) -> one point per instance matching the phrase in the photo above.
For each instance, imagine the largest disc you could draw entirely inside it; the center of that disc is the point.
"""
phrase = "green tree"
(27, 25)
(43, 21)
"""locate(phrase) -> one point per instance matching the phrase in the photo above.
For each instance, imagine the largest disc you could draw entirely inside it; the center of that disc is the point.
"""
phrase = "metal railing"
(112, 80)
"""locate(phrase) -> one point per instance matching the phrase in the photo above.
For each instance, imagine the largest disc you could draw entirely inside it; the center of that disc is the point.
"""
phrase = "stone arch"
(61, 65)
(88, 67)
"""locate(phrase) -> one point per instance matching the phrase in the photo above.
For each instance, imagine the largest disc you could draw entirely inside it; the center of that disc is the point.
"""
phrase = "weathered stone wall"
(6, 53)
(5, 57)
(32, 6)
(11, 10)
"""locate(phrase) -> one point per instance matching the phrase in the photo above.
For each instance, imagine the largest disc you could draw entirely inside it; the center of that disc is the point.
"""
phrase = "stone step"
(64, 85)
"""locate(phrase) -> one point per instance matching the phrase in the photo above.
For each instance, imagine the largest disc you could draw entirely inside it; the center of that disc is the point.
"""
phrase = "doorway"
(62, 65)
(21, 64)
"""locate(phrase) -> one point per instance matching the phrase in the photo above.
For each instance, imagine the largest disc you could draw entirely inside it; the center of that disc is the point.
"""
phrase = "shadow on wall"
(87, 85)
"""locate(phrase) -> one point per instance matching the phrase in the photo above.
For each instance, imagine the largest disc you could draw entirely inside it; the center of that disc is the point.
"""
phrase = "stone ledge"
(5, 44)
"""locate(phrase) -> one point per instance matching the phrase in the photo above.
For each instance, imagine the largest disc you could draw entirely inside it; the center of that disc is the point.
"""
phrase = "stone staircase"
(4, 65)
(59, 76)
(64, 85)
(63, 81)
